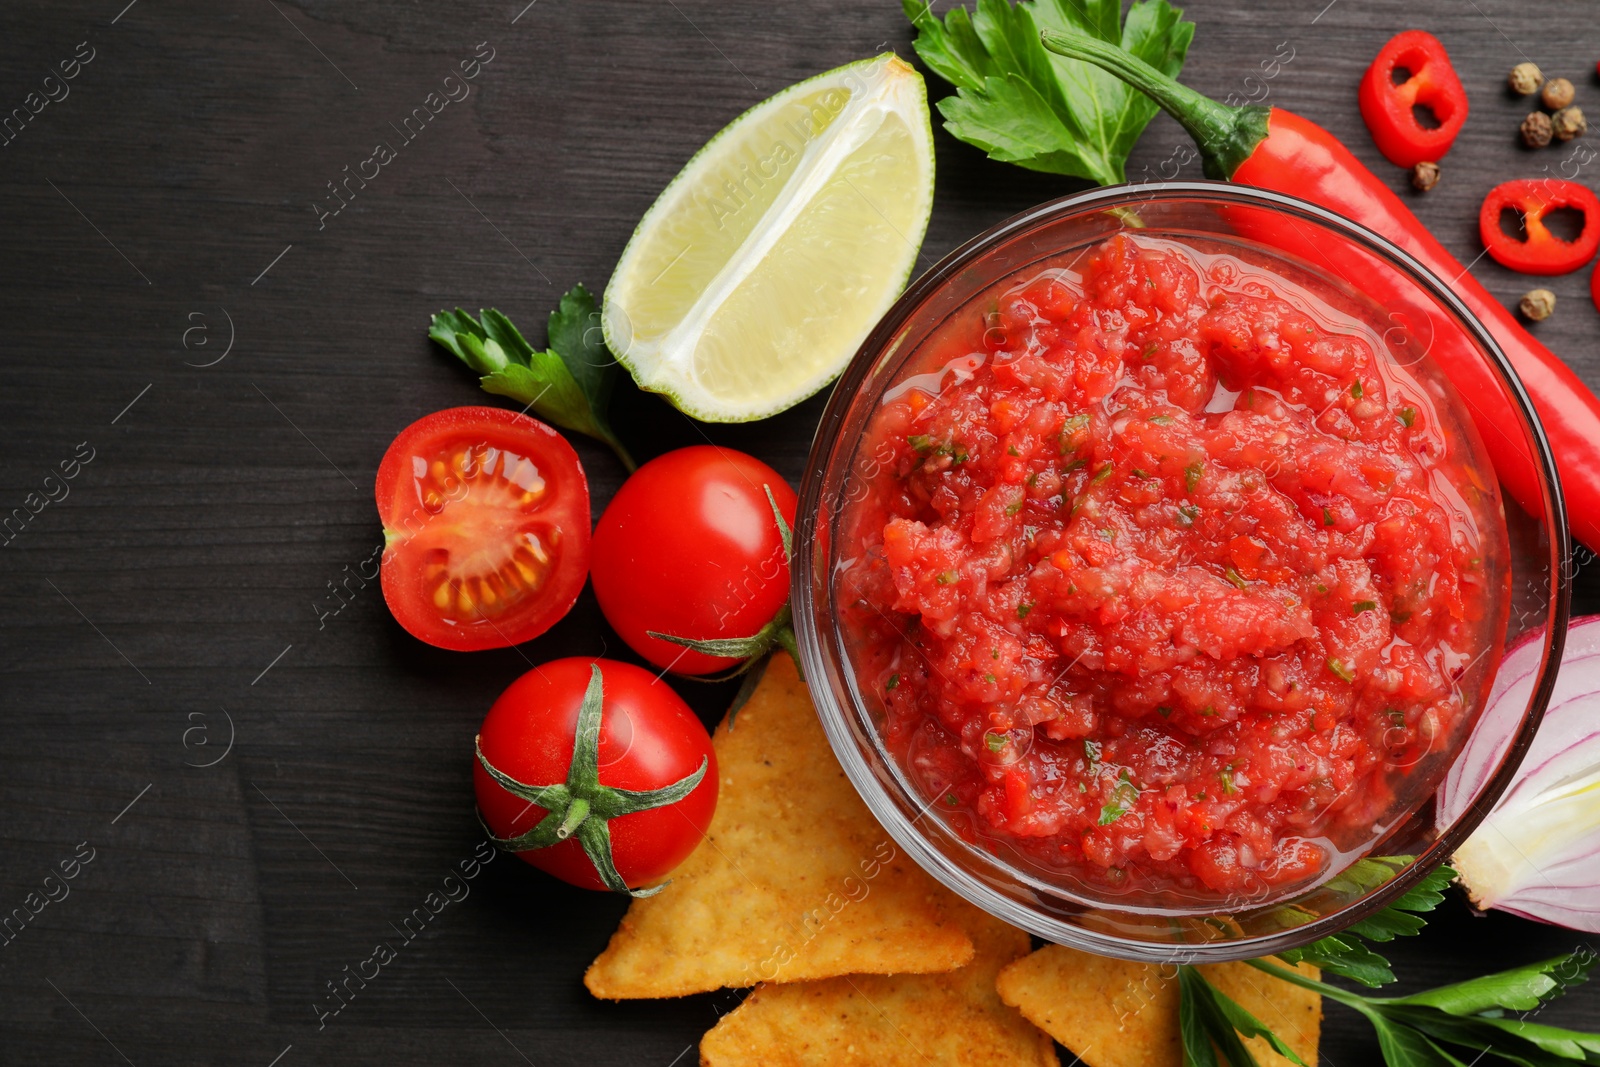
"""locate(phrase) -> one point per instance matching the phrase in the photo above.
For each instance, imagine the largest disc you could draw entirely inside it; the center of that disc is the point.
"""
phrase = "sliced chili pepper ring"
(1431, 82)
(1541, 251)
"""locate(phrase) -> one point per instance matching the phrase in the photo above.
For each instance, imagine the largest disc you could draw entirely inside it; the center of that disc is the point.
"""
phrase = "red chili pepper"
(1430, 82)
(1275, 149)
(1541, 252)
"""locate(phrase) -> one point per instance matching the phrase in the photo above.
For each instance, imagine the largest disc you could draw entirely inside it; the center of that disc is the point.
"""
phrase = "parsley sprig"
(1023, 104)
(1449, 1026)
(1346, 953)
(569, 383)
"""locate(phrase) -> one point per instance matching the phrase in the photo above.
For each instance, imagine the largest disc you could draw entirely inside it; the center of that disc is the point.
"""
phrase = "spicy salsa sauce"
(1166, 581)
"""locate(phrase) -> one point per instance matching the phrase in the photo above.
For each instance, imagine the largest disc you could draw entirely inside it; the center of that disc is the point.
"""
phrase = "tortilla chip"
(1113, 1013)
(870, 1019)
(795, 880)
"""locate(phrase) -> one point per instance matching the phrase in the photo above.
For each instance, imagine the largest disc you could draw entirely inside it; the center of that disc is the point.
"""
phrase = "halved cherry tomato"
(486, 528)
(1542, 252)
(641, 739)
(690, 547)
(1431, 82)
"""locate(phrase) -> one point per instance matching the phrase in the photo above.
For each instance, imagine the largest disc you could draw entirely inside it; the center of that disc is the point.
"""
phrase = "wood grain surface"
(177, 307)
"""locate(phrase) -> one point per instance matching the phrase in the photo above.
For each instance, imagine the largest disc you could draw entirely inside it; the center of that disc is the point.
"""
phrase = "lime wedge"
(757, 273)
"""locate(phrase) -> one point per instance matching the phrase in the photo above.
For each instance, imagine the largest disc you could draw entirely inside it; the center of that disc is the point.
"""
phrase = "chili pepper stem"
(1226, 136)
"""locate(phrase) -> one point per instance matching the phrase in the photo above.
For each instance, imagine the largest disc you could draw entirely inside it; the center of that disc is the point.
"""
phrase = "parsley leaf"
(1124, 795)
(568, 383)
(1519, 989)
(1023, 104)
(1345, 953)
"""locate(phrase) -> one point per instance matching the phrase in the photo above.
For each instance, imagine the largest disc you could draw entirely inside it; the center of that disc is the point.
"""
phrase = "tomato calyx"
(777, 633)
(581, 807)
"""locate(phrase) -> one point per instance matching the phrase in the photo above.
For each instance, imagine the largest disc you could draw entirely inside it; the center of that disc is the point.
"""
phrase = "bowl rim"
(808, 612)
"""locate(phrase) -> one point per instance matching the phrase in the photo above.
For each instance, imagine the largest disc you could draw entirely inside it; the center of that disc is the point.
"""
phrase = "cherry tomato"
(648, 739)
(690, 547)
(486, 528)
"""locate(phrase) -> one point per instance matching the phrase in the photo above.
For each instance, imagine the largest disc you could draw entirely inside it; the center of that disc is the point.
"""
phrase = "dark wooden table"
(234, 360)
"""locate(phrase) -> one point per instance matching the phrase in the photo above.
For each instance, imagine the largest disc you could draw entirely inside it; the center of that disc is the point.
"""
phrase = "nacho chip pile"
(858, 956)
(886, 1021)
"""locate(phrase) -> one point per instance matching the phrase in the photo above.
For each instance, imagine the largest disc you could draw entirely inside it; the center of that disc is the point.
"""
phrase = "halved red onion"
(1538, 852)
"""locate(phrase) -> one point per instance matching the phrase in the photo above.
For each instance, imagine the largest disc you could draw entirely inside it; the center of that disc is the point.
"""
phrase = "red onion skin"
(1494, 733)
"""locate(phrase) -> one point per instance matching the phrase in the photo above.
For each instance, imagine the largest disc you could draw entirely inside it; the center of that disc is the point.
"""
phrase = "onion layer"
(1538, 853)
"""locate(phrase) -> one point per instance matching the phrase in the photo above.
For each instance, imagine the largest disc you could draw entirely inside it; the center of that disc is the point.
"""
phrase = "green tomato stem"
(576, 813)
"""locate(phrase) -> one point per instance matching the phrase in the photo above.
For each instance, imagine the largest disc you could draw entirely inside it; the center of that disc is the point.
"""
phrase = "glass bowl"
(1418, 308)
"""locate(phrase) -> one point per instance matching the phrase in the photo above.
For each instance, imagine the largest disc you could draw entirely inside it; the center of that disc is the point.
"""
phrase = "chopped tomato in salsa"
(1172, 577)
